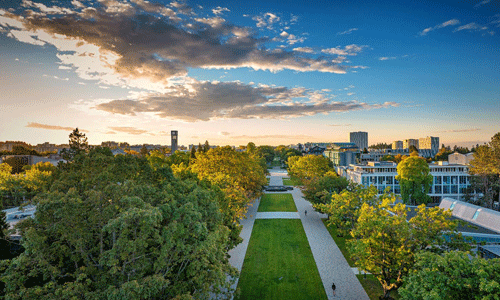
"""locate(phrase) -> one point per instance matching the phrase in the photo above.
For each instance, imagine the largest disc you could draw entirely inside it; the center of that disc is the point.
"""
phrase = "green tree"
(452, 275)
(343, 208)
(114, 228)
(415, 180)
(206, 146)
(251, 148)
(486, 170)
(267, 152)
(144, 151)
(17, 164)
(78, 144)
(193, 153)
(385, 244)
(309, 167)
(320, 189)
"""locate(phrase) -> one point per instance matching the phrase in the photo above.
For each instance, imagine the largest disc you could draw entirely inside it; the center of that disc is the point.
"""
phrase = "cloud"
(129, 130)
(461, 130)
(224, 133)
(482, 3)
(51, 127)
(387, 58)
(474, 27)
(349, 31)
(266, 20)
(56, 77)
(451, 22)
(144, 45)
(304, 49)
(350, 50)
(204, 101)
(219, 10)
(110, 132)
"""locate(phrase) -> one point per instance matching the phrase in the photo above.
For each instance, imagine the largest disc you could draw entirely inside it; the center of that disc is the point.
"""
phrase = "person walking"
(333, 288)
(305, 213)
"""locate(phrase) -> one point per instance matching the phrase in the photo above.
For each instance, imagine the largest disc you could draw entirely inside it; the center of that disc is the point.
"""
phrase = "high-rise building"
(410, 142)
(174, 140)
(397, 145)
(429, 142)
(360, 138)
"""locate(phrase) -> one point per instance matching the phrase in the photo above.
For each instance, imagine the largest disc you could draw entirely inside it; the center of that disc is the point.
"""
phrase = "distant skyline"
(231, 72)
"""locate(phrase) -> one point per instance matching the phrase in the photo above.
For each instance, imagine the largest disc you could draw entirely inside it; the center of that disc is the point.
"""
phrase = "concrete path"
(330, 262)
(278, 215)
(332, 266)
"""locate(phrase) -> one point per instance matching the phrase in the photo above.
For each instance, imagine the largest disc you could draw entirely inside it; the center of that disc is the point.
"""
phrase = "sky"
(233, 72)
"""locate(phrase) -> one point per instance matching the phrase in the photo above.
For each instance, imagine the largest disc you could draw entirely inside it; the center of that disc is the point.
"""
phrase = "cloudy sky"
(230, 72)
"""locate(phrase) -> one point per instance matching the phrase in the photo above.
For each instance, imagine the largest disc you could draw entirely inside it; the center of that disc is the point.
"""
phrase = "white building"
(397, 145)
(462, 159)
(449, 180)
(410, 142)
(360, 138)
(429, 142)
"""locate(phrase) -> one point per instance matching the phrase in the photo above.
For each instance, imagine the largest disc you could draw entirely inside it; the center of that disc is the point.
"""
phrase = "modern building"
(174, 140)
(449, 180)
(360, 138)
(397, 145)
(429, 142)
(410, 142)
(342, 154)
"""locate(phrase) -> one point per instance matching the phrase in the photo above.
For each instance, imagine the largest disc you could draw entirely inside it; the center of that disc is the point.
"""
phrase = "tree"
(320, 189)
(415, 180)
(238, 175)
(78, 144)
(200, 148)
(452, 275)
(17, 163)
(486, 170)
(343, 209)
(251, 148)
(385, 244)
(114, 228)
(206, 146)
(193, 153)
(267, 152)
(144, 151)
(308, 167)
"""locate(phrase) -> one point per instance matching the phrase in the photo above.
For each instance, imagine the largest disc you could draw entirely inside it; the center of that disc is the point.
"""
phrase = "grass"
(279, 263)
(371, 284)
(277, 202)
(341, 243)
(373, 288)
(291, 181)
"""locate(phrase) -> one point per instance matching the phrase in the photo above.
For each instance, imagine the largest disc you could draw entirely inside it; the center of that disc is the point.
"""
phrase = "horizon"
(260, 72)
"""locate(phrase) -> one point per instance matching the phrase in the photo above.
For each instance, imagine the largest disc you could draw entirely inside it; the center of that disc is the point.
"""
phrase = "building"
(45, 147)
(397, 145)
(110, 144)
(458, 158)
(342, 154)
(360, 138)
(429, 142)
(174, 140)
(449, 180)
(410, 142)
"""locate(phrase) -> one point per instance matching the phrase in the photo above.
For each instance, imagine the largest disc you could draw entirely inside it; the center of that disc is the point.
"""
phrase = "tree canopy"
(385, 244)
(112, 227)
(320, 189)
(415, 180)
(308, 167)
(452, 275)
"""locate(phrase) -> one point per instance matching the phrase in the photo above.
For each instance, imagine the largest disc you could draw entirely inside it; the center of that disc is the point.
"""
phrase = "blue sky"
(230, 72)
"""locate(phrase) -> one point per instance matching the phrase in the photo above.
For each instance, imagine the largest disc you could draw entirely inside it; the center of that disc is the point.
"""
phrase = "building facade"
(342, 154)
(430, 142)
(449, 180)
(360, 138)
(397, 145)
(410, 142)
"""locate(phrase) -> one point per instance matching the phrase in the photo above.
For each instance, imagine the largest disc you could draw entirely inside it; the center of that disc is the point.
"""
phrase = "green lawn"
(291, 181)
(277, 202)
(341, 243)
(373, 288)
(279, 263)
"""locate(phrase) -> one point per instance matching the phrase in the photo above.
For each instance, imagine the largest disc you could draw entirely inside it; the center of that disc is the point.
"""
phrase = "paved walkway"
(278, 215)
(331, 264)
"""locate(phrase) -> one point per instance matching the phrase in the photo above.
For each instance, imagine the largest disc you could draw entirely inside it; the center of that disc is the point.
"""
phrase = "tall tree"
(206, 146)
(385, 244)
(144, 151)
(452, 275)
(415, 180)
(309, 167)
(486, 170)
(193, 152)
(320, 189)
(251, 148)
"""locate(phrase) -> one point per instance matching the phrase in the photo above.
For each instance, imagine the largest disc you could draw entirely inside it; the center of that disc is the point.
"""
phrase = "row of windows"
(453, 189)
(438, 180)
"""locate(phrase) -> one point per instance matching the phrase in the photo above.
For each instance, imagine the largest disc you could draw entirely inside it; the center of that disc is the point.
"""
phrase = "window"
(437, 189)
(476, 214)
(438, 180)
(454, 189)
(463, 180)
(446, 189)
(389, 179)
(454, 179)
(381, 179)
(446, 179)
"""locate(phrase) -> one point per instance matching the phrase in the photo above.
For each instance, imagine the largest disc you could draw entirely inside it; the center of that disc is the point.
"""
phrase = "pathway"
(330, 262)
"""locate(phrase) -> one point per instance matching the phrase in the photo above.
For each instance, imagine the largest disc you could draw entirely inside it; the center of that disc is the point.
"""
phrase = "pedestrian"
(305, 213)
(333, 288)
